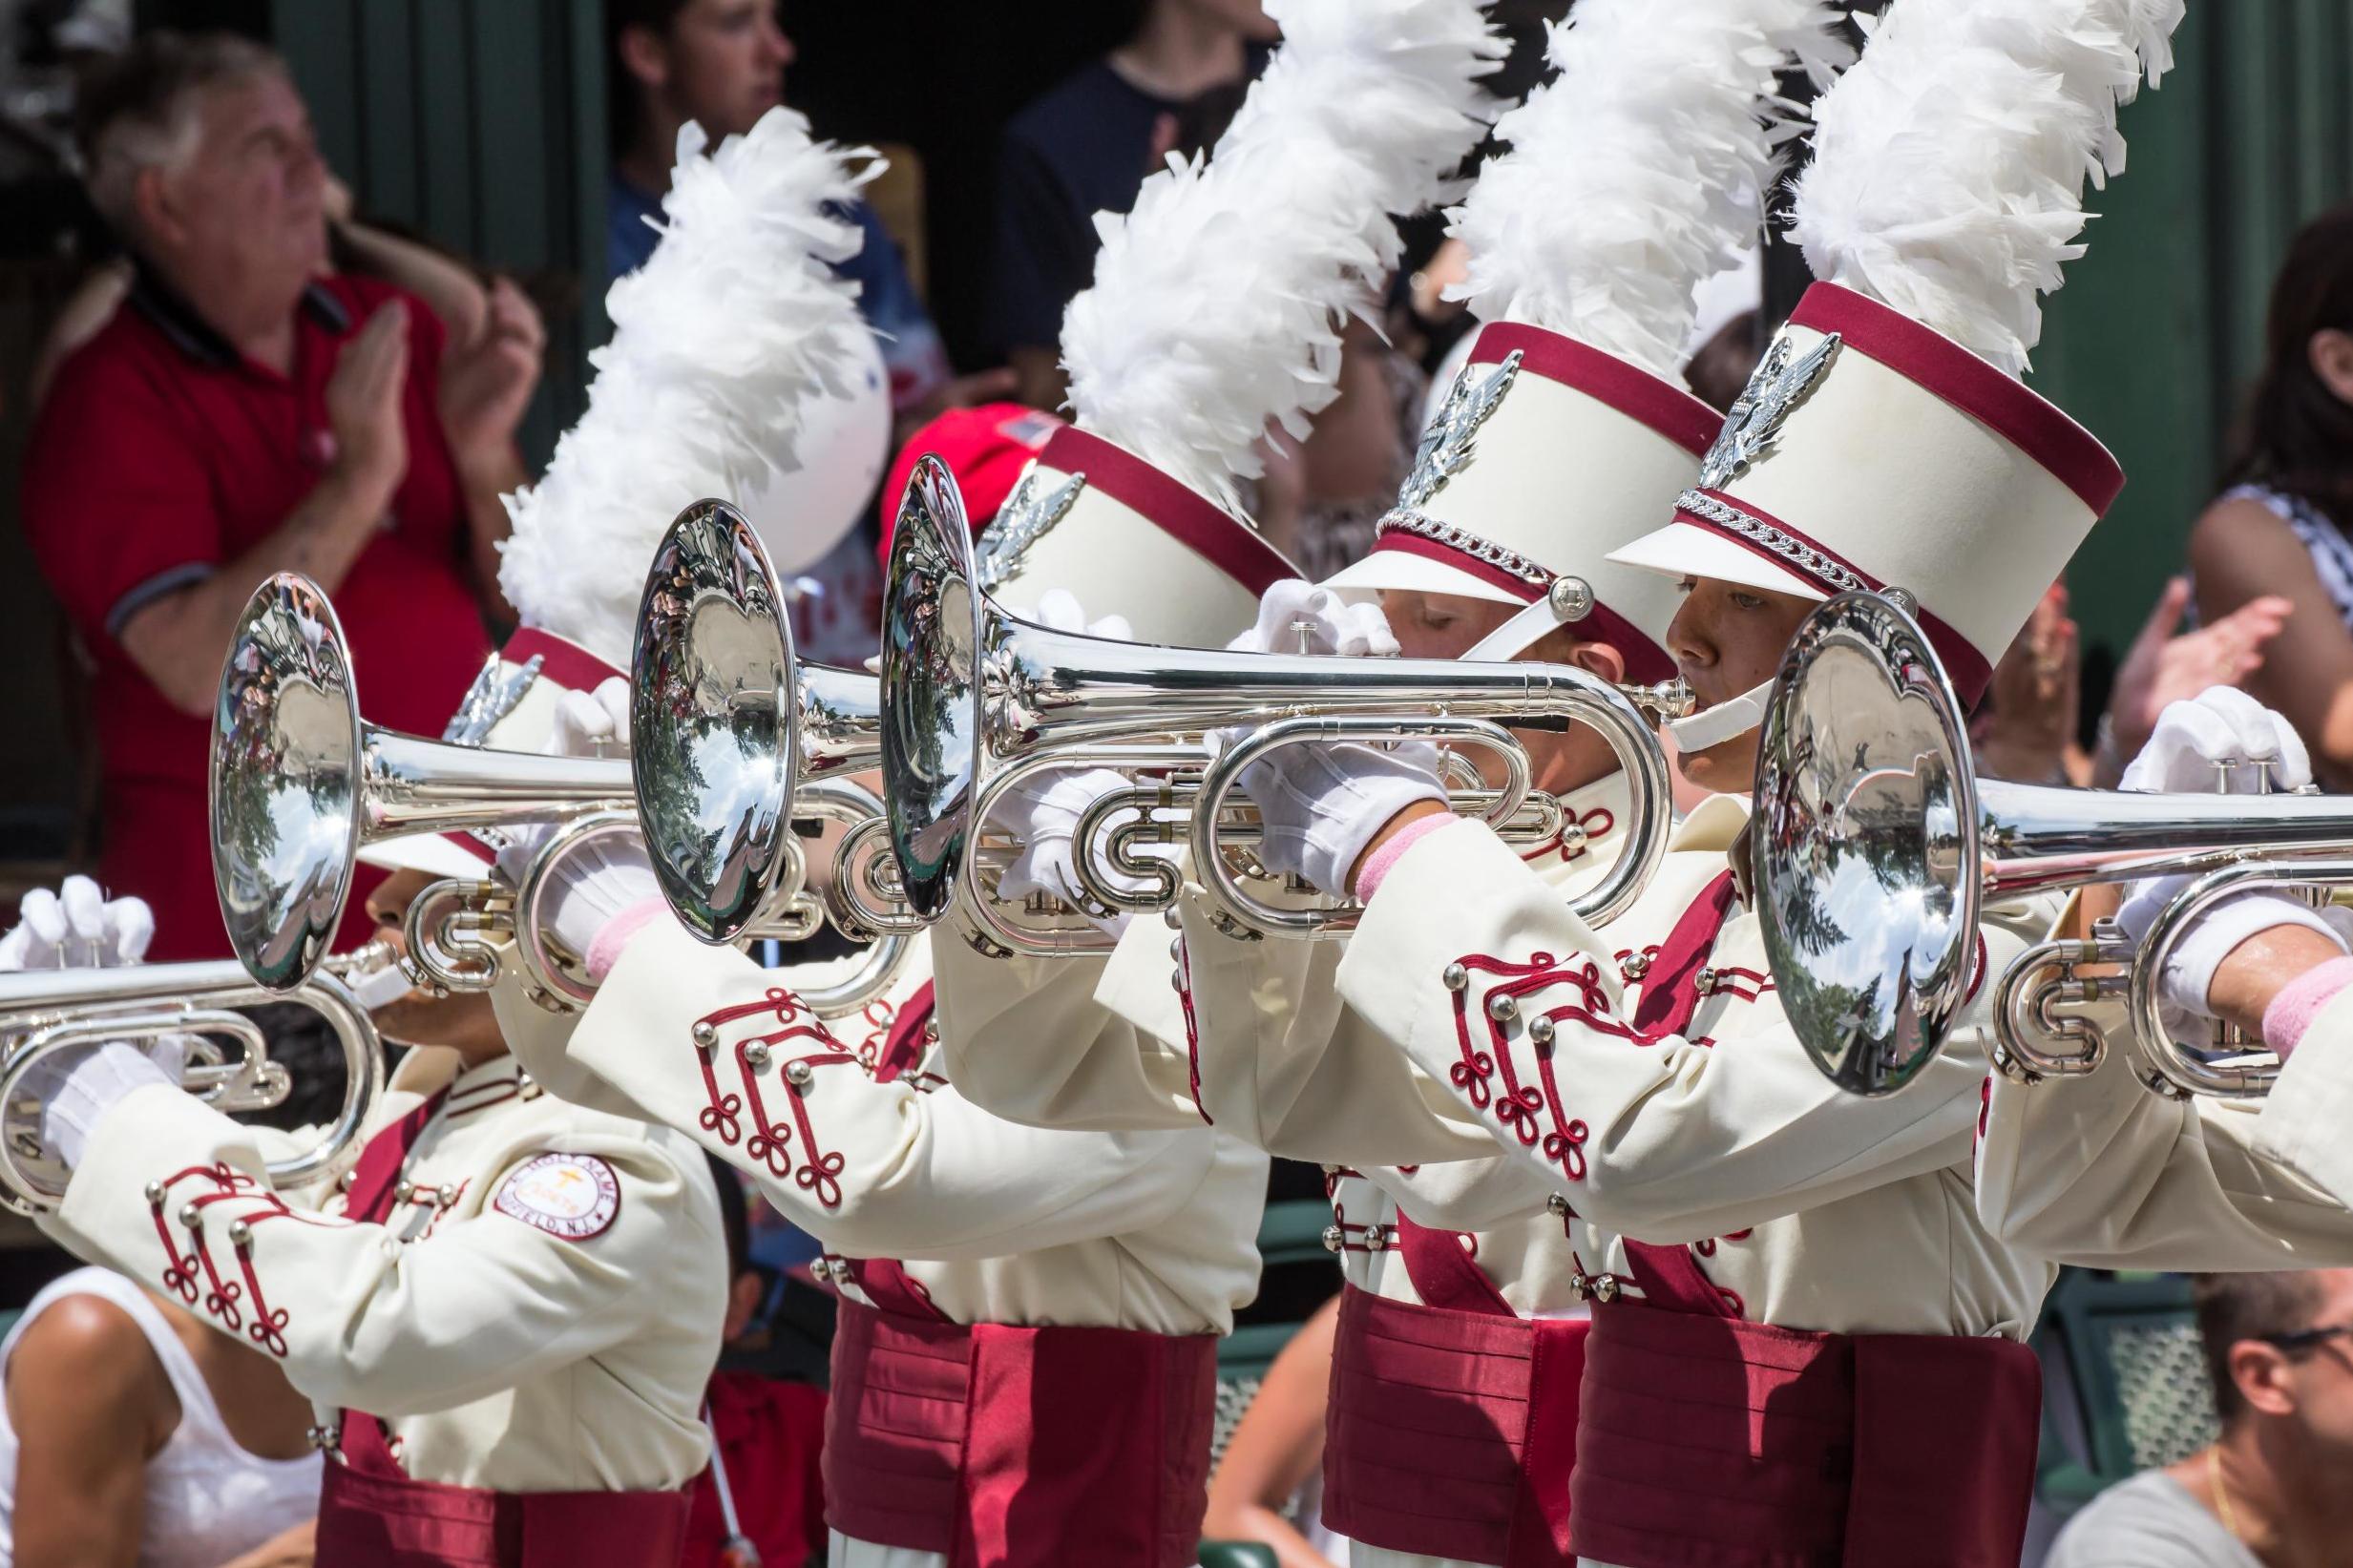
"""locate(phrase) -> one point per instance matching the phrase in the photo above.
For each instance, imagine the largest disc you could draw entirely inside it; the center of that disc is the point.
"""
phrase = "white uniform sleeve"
(1056, 1042)
(707, 1041)
(1663, 1138)
(171, 1193)
(1282, 1060)
(2101, 1172)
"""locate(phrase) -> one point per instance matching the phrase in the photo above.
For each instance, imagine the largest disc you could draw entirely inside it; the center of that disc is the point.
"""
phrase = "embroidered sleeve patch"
(574, 1196)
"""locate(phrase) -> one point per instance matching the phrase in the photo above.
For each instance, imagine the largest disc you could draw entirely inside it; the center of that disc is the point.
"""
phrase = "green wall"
(2158, 331)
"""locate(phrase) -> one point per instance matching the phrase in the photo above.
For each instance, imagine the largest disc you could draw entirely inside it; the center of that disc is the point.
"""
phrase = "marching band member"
(1565, 439)
(1054, 1297)
(509, 1307)
(505, 1312)
(1755, 1226)
(2103, 1171)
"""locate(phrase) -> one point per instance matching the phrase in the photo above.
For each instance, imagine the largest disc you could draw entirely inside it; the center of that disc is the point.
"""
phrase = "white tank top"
(207, 1499)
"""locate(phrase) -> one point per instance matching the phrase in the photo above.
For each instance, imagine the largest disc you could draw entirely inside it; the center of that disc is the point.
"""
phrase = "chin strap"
(1712, 726)
(1516, 636)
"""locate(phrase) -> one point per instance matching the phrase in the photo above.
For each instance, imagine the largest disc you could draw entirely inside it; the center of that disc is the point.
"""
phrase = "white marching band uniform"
(538, 1311)
(849, 1129)
(1629, 1280)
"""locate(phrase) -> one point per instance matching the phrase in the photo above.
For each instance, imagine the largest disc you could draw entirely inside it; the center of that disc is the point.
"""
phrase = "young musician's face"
(1440, 625)
(462, 1020)
(1449, 625)
(1727, 638)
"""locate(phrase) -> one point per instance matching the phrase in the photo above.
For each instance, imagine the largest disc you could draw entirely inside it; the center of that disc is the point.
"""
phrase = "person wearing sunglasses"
(2275, 1488)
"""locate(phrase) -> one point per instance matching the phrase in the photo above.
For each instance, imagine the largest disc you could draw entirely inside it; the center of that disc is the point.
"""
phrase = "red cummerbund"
(1001, 1447)
(1452, 1434)
(369, 1520)
(1707, 1442)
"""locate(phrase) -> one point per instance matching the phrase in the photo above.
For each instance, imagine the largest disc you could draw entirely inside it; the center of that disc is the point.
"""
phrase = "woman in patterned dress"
(2283, 525)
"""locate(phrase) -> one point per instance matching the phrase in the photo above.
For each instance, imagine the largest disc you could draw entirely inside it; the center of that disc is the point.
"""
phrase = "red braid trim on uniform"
(1375, 1237)
(818, 1172)
(1192, 1030)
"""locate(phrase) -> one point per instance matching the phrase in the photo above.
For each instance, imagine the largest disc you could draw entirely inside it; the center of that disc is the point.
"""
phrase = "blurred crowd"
(261, 379)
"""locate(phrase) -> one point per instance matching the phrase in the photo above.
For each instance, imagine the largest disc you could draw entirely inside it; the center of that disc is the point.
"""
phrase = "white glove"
(592, 723)
(77, 927)
(75, 1089)
(1292, 609)
(2192, 739)
(1042, 817)
(602, 879)
(2212, 938)
(2185, 754)
(1057, 609)
(1321, 804)
(596, 882)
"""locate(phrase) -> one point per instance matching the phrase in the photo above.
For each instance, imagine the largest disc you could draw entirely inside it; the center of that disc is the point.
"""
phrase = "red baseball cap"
(986, 448)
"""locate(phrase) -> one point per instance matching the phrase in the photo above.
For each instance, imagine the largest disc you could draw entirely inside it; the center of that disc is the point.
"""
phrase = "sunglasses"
(2304, 1339)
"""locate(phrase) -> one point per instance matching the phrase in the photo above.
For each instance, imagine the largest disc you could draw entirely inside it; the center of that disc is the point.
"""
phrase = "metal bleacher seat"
(2124, 1381)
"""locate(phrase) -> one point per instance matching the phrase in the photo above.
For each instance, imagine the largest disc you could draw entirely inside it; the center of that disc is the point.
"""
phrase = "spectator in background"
(764, 1488)
(246, 413)
(721, 65)
(1268, 1486)
(136, 1438)
(2276, 1489)
(1322, 500)
(2282, 528)
(1085, 146)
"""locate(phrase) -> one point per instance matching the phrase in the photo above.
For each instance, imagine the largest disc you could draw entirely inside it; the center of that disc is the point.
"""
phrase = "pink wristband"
(2291, 1013)
(605, 949)
(1377, 865)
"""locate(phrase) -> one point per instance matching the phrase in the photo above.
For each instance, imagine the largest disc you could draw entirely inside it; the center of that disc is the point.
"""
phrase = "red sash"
(1452, 1427)
(1004, 1446)
(1710, 1442)
(370, 1515)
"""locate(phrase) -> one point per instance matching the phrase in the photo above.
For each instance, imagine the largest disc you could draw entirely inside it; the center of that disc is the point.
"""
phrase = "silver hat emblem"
(1446, 445)
(1029, 515)
(1772, 393)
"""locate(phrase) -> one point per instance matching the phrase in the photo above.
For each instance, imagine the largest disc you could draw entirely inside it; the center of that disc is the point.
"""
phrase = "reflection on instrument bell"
(976, 701)
(1876, 846)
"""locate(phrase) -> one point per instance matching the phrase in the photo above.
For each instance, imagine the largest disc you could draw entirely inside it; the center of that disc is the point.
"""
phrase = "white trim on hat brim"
(1403, 572)
(1686, 550)
(427, 852)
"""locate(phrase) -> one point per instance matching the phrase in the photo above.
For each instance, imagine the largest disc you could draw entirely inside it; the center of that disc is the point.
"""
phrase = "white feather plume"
(716, 342)
(1949, 165)
(1638, 171)
(1218, 301)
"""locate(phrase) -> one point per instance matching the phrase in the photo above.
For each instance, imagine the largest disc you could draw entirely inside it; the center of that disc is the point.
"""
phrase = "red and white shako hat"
(1871, 451)
(1885, 441)
(1632, 177)
(1216, 308)
(1547, 453)
(1122, 536)
(729, 343)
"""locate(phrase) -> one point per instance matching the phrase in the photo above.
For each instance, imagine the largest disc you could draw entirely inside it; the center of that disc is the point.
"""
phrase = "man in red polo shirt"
(246, 411)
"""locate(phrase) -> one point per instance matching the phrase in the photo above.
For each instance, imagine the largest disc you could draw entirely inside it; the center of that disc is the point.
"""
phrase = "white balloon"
(844, 444)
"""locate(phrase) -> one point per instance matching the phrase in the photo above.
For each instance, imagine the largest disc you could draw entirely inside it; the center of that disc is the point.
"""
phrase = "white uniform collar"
(1713, 825)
